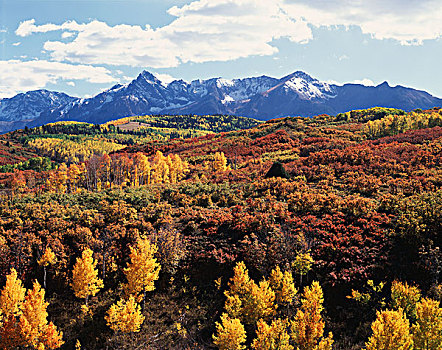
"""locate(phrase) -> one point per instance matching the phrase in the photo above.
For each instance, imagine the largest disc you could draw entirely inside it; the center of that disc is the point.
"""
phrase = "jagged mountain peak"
(148, 76)
(299, 74)
(384, 84)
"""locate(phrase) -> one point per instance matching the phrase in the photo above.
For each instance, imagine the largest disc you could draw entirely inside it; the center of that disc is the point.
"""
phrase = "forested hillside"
(223, 232)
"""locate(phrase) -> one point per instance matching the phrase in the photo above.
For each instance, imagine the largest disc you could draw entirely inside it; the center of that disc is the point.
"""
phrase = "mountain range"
(263, 97)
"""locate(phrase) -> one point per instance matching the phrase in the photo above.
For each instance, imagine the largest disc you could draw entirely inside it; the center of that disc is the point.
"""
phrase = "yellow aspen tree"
(34, 328)
(238, 293)
(308, 326)
(161, 169)
(427, 331)
(135, 177)
(260, 302)
(11, 299)
(12, 295)
(176, 168)
(219, 162)
(247, 300)
(302, 264)
(74, 173)
(391, 331)
(273, 337)
(48, 258)
(125, 316)
(142, 270)
(230, 334)
(142, 162)
(85, 281)
(61, 178)
(405, 297)
(283, 286)
(172, 170)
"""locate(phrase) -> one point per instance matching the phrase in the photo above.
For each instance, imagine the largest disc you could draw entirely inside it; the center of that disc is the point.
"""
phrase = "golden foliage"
(273, 337)
(33, 324)
(247, 300)
(11, 300)
(73, 152)
(142, 270)
(308, 325)
(405, 297)
(427, 332)
(395, 124)
(125, 316)
(283, 286)
(47, 258)
(220, 162)
(303, 263)
(12, 295)
(391, 331)
(85, 281)
(230, 334)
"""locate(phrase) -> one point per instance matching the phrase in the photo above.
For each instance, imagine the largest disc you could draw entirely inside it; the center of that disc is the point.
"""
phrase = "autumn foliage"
(130, 209)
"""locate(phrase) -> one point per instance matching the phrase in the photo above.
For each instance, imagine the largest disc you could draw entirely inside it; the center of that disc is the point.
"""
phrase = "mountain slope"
(23, 108)
(297, 94)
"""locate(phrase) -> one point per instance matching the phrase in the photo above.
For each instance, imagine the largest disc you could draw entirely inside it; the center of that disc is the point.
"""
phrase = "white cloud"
(365, 81)
(224, 30)
(409, 22)
(165, 78)
(18, 76)
(215, 30)
(70, 83)
(28, 27)
(66, 35)
(18, 43)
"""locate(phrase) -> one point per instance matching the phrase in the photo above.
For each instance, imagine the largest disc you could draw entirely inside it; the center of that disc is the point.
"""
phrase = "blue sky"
(82, 47)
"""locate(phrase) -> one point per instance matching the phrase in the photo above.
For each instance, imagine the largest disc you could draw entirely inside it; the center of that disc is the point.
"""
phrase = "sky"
(82, 47)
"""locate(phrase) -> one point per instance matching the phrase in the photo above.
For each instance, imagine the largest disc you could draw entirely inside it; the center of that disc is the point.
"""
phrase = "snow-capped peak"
(307, 87)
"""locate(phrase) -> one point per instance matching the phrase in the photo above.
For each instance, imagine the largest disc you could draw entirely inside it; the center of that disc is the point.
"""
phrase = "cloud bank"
(224, 30)
(31, 75)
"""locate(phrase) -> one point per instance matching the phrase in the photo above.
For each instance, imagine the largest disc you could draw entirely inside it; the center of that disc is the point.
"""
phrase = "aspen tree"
(11, 299)
(405, 297)
(302, 264)
(230, 334)
(12, 295)
(125, 316)
(308, 325)
(48, 258)
(61, 178)
(247, 300)
(220, 162)
(283, 286)
(427, 332)
(34, 328)
(391, 331)
(142, 270)
(85, 281)
(273, 337)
